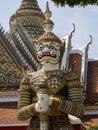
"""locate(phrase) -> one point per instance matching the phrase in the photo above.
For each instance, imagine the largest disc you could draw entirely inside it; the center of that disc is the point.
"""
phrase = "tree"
(73, 3)
(93, 128)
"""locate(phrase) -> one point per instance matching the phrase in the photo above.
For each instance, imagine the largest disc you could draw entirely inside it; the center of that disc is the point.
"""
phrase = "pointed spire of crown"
(48, 24)
(47, 13)
(48, 35)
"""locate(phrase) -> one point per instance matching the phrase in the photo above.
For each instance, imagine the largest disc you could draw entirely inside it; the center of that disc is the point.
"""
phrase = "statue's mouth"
(44, 54)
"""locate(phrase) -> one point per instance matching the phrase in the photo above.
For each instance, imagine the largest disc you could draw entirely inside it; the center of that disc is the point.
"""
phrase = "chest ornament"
(54, 81)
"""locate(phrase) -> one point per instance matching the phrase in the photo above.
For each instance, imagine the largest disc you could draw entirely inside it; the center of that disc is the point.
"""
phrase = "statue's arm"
(26, 108)
(74, 104)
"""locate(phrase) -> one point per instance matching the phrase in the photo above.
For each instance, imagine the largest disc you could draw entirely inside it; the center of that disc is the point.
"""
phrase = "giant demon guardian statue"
(48, 95)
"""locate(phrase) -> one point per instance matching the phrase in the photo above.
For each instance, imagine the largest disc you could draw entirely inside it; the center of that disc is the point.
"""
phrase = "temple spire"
(30, 17)
(48, 24)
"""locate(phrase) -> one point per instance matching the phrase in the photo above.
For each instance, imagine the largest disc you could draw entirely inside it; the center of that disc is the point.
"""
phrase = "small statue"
(48, 95)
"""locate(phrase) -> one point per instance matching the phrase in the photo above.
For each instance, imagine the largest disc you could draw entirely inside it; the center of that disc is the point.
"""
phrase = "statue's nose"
(46, 49)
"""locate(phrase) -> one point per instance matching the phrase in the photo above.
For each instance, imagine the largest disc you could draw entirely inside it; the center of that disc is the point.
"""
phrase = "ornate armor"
(65, 89)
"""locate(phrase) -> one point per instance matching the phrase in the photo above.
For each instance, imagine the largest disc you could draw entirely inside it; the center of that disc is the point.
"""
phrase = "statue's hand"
(44, 98)
(41, 107)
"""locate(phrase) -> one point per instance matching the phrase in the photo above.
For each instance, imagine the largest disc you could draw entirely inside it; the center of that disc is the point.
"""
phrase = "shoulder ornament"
(73, 80)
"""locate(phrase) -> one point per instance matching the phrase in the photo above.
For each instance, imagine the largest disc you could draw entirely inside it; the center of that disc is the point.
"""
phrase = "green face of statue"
(48, 52)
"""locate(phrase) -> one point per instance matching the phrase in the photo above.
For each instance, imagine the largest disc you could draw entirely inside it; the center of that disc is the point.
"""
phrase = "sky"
(85, 20)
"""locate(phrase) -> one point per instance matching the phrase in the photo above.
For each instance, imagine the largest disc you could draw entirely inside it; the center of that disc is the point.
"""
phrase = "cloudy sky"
(85, 20)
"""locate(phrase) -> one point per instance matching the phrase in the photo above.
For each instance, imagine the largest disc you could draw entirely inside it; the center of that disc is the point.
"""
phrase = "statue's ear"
(24, 70)
(63, 46)
(64, 43)
(35, 45)
(62, 50)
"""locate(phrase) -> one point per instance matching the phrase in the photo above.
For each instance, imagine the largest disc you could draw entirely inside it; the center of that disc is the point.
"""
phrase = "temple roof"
(30, 16)
(16, 46)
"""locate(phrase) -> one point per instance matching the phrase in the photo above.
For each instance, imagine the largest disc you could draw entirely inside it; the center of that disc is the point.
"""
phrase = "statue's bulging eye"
(41, 48)
(51, 48)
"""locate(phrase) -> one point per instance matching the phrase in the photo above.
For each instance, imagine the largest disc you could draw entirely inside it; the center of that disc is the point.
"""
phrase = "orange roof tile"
(8, 114)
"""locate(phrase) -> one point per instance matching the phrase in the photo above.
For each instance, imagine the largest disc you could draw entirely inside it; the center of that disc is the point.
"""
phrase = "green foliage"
(93, 128)
(73, 3)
